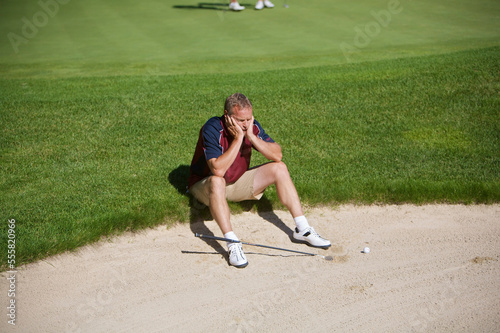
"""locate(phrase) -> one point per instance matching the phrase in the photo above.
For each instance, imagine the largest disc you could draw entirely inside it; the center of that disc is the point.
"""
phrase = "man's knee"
(216, 185)
(280, 168)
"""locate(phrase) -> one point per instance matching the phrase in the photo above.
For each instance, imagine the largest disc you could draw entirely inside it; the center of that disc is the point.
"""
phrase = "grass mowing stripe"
(118, 37)
(87, 157)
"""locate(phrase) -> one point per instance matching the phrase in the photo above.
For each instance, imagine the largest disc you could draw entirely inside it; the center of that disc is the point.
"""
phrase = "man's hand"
(219, 166)
(249, 132)
(270, 150)
(233, 128)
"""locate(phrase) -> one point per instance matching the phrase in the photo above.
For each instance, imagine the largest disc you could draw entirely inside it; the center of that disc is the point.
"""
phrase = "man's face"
(242, 117)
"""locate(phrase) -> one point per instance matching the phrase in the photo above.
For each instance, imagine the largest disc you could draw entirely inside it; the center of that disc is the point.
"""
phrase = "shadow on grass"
(209, 5)
(199, 213)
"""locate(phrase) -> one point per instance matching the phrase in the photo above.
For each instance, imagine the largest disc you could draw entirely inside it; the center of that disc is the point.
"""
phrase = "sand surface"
(433, 268)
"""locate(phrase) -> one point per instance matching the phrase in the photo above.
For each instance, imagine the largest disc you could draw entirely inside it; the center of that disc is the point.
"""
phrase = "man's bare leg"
(277, 173)
(221, 214)
(218, 203)
(267, 174)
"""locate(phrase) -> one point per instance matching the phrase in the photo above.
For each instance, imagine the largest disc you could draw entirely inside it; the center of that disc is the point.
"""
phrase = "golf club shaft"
(259, 245)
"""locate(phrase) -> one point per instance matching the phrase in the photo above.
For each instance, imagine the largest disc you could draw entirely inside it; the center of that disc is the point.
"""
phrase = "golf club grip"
(259, 245)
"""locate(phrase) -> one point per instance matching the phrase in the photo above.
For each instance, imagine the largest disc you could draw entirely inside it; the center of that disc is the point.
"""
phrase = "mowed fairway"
(151, 37)
(373, 102)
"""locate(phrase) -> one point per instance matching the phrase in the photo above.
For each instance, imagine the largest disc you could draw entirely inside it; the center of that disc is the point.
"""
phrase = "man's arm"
(270, 150)
(219, 166)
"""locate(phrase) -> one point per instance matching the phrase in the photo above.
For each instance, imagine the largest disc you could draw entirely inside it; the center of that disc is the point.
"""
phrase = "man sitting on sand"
(220, 172)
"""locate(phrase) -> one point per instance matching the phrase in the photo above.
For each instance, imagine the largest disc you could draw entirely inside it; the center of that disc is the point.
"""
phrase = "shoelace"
(237, 249)
(314, 233)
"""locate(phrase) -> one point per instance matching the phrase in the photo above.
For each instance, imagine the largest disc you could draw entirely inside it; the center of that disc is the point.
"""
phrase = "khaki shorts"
(241, 190)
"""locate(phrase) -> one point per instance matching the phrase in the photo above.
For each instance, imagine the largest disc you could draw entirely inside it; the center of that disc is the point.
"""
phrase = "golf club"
(328, 258)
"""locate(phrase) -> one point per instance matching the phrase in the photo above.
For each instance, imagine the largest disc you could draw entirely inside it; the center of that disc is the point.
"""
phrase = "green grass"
(100, 111)
(87, 157)
(155, 37)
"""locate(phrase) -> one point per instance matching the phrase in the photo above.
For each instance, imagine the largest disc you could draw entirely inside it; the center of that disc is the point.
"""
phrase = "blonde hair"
(237, 100)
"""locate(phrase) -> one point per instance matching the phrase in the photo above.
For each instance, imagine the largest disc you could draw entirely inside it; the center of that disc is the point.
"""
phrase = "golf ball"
(366, 250)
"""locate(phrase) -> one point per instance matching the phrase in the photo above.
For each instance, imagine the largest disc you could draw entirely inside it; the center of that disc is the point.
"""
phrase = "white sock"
(301, 222)
(230, 235)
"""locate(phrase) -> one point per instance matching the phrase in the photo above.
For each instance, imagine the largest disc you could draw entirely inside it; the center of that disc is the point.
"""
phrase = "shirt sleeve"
(261, 134)
(212, 135)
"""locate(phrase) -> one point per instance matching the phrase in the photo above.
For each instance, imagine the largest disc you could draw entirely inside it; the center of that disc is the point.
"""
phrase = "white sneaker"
(259, 5)
(235, 6)
(311, 237)
(268, 4)
(236, 256)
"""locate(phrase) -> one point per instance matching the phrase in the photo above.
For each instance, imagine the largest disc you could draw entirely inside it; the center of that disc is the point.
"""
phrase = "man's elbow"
(214, 170)
(278, 154)
(218, 172)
